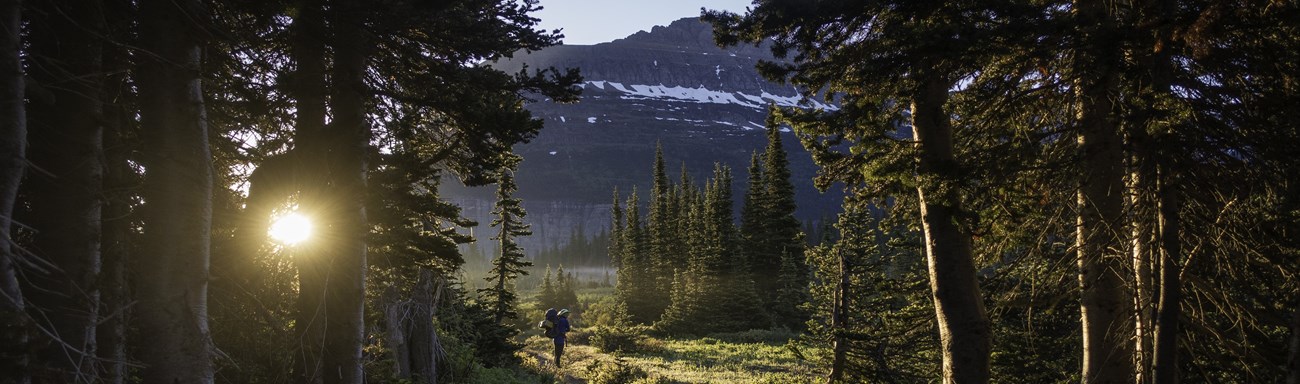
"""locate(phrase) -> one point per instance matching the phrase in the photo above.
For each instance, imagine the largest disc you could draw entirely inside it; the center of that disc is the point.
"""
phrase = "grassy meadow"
(598, 353)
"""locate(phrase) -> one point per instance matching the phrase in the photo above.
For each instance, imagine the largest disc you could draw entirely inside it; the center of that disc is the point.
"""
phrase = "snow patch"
(554, 152)
(701, 94)
(717, 71)
(591, 120)
(562, 120)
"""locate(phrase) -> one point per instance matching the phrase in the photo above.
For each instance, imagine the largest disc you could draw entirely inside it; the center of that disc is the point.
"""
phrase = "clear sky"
(588, 22)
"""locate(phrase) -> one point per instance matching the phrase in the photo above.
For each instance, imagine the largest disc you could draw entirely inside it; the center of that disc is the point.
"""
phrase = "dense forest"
(1036, 191)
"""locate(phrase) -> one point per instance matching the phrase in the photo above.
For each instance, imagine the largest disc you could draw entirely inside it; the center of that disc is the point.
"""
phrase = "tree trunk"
(963, 324)
(66, 146)
(332, 266)
(1293, 365)
(308, 90)
(1106, 305)
(350, 131)
(1165, 353)
(839, 317)
(119, 184)
(1142, 216)
(395, 314)
(13, 159)
(172, 270)
(422, 339)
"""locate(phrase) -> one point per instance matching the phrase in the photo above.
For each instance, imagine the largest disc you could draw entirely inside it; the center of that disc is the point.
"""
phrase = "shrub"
(617, 339)
(619, 372)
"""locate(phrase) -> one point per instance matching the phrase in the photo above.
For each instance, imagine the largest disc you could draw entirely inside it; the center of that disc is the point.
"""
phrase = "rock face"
(671, 86)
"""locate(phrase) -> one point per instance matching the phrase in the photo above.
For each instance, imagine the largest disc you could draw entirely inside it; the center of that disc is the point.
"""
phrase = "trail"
(544, 361)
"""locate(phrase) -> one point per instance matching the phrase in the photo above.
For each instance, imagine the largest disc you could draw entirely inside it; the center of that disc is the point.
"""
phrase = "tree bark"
(347, 167)
(963, 324)
(119, 184)
(1105, 304)
(422, 339)
(13, 160)
(172, 270)
(839, 317)
(332, 166)
(1143, 215)
(66, 147)
(309, 91)
(1165, 352)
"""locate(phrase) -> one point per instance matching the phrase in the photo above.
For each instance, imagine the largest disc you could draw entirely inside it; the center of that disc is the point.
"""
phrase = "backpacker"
(548, 325)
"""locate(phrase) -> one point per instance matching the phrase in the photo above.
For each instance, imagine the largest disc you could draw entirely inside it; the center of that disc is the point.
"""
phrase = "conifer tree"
(510, 263)
(616, 226)
(635, 283)
(566, 295)
(714, 293)
(660, 236)
(546, 295)
(879, 58)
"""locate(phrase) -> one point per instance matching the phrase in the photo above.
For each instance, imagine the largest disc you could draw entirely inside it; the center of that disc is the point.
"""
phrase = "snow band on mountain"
(704, 95)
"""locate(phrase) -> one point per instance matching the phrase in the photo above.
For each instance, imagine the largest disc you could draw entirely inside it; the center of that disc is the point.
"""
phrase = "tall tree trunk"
(1165, 353)
(839, 318)
(310, 151)
(119, 183)
(963, 324)
(422, 340)
(1106, 305)
(172, 269)
(350, 131)
(66, 147)
(332, 266)
(13, 159)
(1143, 234)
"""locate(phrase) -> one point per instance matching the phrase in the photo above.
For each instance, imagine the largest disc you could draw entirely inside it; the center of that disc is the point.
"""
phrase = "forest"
(1036, 191)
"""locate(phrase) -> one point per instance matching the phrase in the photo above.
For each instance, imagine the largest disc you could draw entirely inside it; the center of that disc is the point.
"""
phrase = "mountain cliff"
(670, 86)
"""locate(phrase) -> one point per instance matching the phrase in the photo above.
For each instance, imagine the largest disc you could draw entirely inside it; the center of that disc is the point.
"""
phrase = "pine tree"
(868, 296)
(510, 263)
(616, 227)
(661, 236)
(782, 236)
(635, 281)
(547, 294)
(878, 58)
(714, 293)
(566, 295)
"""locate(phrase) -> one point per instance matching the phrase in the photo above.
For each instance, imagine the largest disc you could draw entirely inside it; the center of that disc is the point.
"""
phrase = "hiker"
(561, 329)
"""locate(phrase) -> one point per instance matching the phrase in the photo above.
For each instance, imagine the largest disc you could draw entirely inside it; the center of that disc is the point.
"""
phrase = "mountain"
(670, 85)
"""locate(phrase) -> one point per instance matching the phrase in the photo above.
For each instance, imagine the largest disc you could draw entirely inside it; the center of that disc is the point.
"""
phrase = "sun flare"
(290, 229)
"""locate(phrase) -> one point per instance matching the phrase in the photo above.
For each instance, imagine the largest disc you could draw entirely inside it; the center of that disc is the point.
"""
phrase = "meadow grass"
(669, 360)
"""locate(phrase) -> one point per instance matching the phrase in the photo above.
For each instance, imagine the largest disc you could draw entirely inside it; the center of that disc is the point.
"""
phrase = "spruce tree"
(616, 227)
(714, 293)
(546, 294)
(661, 236)
(510, 262)
(782, 235)
(635, 282)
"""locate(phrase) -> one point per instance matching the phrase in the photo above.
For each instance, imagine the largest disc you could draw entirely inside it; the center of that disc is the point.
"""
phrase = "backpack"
(548, 325)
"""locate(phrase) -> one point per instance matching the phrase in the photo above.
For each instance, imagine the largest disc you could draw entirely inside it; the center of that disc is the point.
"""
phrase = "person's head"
(564, 312)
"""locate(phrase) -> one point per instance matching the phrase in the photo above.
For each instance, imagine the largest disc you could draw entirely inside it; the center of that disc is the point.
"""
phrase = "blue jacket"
(561, 327)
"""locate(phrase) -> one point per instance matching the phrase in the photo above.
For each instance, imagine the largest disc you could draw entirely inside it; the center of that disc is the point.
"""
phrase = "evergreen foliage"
(500, 297)
(885, 308)
(715, 292)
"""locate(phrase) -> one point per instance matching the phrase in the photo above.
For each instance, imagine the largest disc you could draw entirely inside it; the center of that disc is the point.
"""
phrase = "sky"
(587, 22)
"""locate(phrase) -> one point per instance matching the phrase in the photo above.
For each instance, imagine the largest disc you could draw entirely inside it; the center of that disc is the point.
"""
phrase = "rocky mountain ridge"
(670, 86)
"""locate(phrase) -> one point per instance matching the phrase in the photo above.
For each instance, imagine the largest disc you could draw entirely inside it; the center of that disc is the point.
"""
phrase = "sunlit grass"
(703, 360)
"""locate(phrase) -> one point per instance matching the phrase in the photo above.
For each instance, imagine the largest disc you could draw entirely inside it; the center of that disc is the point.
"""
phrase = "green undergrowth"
(758, 356)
